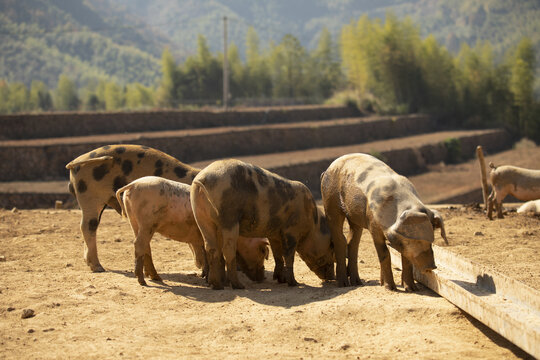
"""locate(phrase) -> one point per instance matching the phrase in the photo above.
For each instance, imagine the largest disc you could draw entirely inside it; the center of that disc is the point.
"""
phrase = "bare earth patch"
(79, 314)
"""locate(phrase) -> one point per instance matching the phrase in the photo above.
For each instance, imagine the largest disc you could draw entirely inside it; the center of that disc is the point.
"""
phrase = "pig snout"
(323, 268)
(425, 261)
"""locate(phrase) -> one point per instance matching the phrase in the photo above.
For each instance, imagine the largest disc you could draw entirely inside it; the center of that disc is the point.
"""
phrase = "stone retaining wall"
(50, 125)
(36, 161)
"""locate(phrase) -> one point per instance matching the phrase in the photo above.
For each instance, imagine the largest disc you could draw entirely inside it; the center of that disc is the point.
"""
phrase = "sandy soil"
(79, 314)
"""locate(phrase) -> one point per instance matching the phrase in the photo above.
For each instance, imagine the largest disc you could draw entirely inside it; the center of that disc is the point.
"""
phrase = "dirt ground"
(85, 315)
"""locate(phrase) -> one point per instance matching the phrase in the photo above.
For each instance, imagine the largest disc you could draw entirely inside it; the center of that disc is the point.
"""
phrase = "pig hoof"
(143, 283)
(217, 287)
(237, 285)
(391, 287)
(412, 288)
(156, 278)
(279, 277)
(292, 283)
(97, 268)
(355, 281)
(343, 282)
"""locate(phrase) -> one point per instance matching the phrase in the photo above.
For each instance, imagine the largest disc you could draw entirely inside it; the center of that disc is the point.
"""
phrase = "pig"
(523, 184)
(154, 204)
(95, 177)
(232, 198)
(532, 206)
(370, 195)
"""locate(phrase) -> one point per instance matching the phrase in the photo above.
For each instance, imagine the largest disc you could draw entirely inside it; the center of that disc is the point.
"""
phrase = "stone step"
(45, 159)
(68, 124)
(408, 155)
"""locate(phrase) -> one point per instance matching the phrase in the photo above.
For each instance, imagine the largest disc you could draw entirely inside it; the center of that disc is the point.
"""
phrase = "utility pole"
(225, 66)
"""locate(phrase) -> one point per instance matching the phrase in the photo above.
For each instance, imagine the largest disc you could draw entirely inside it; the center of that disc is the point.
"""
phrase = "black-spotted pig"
(369, 194)
(95, 177)
(232, 198)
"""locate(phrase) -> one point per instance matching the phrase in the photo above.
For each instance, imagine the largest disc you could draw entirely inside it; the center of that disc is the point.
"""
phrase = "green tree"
(237, 73)
(522, 70)
(327, 68)
(40, 97)
(477, 85)
(4, 95)
(114, 96)
(137, 96)
(18, 98)
(168, 93)
(397, 72)
(202, 74)
(356, 39)
(258, 82)
(288, 60)
(382, 60)
(438, 73)
(66, 97)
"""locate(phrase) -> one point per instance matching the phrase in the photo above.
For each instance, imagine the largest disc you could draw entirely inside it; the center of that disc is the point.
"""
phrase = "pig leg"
(142, 250)
(336, 218)
(230, 238)
(211, 236)
(215, 267)
(89, 223)
(491, 198)
(214, 256)
(200, 258)
(149, 269)
(288, 243)
(277, 252)
(407, 279)
(387, 279)
(498, 204)
(355, 233)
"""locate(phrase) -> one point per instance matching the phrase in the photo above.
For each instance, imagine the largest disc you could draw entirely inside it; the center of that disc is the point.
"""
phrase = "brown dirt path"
(80, 314)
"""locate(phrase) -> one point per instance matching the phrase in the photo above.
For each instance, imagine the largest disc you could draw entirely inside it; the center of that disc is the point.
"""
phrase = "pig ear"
(414, 225)
(264, 249)
(438, 222)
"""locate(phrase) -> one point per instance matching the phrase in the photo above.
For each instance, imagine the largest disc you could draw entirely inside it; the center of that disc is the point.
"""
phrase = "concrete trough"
(507, 306)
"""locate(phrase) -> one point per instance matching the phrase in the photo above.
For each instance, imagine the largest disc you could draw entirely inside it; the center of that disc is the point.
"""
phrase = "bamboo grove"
(381, 66)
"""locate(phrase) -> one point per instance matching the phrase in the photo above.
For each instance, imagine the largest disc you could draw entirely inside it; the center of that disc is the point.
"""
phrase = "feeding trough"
(507, 306)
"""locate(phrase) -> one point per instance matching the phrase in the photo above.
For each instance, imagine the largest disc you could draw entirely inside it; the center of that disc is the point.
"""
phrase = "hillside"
(124, 39)
(43, 39)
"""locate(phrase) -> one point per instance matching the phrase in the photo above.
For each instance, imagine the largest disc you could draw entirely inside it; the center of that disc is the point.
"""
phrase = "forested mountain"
(122, 40)
(42, 39)
(501, 22)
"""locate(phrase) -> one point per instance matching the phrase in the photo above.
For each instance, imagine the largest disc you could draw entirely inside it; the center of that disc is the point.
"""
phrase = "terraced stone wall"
(33, 126)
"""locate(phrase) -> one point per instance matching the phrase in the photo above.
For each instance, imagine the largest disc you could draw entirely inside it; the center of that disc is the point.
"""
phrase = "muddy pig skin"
(95, 177)
(370, 195)
(232, 198)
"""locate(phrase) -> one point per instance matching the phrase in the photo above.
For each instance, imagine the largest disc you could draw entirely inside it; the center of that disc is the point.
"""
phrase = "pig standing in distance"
(232, 198)
(95, 176)
(523, 184)
(369, 194)
(154, 204)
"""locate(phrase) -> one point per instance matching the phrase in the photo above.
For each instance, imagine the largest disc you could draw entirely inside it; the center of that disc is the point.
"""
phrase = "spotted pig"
(369, 194)
(95, 177)
(153, 204)
(232, 198)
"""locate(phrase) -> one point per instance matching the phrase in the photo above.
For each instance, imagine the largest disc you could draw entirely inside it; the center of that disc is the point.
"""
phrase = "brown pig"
(95, 176)
(369, 194)
(154, 204)
(232, 198)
